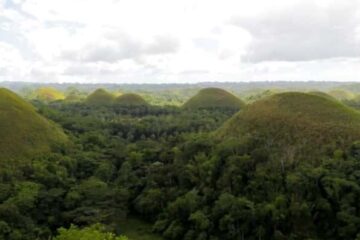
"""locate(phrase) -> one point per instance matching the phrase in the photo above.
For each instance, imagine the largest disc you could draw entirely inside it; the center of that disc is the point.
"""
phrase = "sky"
(179, 41)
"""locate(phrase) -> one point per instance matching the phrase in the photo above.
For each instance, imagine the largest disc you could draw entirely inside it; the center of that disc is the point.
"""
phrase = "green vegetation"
(284, 167)
(136, 229)
(258, 94)
(99, 179)
(354, 102)
(100, 97)
(174, 97)
(23, 132)
(213, 98)
(95, 232)
(130, 99)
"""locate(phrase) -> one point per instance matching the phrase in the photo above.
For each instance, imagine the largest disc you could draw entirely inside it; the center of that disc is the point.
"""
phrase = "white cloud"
(116, 46)
(302, 32)
(11, 62)
(178, 41)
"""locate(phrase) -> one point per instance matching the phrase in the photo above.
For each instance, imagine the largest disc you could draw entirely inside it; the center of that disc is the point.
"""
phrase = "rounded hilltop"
(24, 132)
(48, 94)
(130, 99)
(73, 97)
(296, 122)
(209, 98)
(100, 97)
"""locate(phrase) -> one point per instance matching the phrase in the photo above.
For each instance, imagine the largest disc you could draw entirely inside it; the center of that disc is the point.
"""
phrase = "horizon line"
(185, 83)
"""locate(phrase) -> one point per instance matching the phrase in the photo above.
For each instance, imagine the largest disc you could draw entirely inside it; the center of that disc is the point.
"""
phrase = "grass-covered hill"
(23, 132)
(295, 125)
(213, 98)
(130, 99)
(100, 97)
(48, 94)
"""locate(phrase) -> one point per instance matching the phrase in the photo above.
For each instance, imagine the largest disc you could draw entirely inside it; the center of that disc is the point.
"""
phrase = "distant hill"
(130, 99)
(100, 97)
(341, 94)
(48, 94)
(24, 132)
(238, 87)
(258, 94)
(295, 125)
(322, 94)
(73, 97)
(118, 93)
(213, 98)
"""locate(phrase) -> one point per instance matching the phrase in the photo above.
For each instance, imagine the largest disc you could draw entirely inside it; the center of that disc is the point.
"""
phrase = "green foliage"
(285, 167)
(25, 195)
(137, 229)
(213, 98)
(150, 202)
(200, 220)
(94, 232)
(258, 94)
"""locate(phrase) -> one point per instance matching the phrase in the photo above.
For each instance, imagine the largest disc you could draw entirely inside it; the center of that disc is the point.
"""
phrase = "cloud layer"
(304, 32)
(179, 41)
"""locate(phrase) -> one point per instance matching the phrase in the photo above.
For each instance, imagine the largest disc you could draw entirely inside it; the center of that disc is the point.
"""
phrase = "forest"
(199, 164)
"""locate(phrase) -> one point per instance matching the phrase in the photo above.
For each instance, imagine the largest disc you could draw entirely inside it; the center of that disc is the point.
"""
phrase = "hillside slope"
(130, 99)
(48, 94)
(100, 97)
(295, 124)
(213, 98)
(23, 132)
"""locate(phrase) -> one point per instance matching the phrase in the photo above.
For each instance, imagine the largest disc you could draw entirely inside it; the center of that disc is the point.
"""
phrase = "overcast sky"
(157, 41)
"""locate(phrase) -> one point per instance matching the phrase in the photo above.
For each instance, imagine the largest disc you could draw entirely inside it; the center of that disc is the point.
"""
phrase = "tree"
(235, 214)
